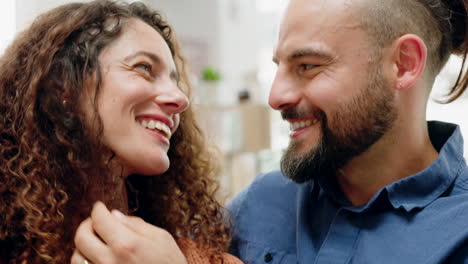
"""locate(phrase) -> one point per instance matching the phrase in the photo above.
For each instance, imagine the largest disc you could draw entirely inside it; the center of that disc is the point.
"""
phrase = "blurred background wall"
(229, 45)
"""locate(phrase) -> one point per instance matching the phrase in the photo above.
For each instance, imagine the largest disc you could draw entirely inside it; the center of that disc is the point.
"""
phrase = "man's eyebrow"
(308, 52)
(175, 76)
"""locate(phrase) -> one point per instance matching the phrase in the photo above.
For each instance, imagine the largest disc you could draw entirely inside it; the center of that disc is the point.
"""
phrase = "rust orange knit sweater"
(195, 255)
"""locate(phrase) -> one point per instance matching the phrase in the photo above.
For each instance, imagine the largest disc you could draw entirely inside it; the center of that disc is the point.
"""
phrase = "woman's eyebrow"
(154, 57)
(175, 76)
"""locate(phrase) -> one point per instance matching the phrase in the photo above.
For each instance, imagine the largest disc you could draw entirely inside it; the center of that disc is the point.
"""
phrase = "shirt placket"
(340, 241)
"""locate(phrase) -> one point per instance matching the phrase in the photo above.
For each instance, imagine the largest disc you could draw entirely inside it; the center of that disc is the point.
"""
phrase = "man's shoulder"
(272, 181)
(269, 190)
(461, 183)
(263, 215)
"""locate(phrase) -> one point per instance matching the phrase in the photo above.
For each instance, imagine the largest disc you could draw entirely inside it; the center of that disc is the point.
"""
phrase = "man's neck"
(399, 154)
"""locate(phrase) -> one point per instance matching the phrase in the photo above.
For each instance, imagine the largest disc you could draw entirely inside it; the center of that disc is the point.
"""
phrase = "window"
(7, 23)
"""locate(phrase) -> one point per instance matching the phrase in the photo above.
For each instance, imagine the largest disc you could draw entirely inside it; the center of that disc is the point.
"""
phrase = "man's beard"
(347, 133)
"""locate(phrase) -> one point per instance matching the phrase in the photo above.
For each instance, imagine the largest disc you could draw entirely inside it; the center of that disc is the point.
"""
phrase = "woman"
(91, 97)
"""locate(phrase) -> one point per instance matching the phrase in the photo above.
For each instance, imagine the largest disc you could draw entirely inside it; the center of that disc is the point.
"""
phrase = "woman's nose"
(173, 100)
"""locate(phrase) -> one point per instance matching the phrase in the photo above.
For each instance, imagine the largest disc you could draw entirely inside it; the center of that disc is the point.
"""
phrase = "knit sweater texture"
(196, 255)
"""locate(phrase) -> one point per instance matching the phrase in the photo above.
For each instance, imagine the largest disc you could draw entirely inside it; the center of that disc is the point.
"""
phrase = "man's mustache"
(295, 113)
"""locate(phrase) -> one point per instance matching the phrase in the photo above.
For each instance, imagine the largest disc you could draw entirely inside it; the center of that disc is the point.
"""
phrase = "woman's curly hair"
(48, 155)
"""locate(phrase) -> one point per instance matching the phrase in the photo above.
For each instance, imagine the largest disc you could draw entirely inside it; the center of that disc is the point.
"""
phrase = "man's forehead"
(319, 16)
(316, 23)
(316, 11)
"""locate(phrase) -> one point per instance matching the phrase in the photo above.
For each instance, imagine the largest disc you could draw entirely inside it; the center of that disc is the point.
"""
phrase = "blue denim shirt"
(419, 219)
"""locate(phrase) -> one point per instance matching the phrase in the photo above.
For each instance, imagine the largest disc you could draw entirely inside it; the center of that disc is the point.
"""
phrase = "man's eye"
(306, 67)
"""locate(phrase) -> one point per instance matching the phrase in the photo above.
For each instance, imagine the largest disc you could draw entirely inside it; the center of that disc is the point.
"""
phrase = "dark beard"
(350, 131)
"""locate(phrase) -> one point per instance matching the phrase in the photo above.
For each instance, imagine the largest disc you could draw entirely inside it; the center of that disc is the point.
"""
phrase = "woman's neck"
(114, 195)
(119, 198)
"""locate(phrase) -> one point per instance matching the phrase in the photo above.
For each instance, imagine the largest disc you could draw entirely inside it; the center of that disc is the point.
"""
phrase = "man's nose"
(283, 92)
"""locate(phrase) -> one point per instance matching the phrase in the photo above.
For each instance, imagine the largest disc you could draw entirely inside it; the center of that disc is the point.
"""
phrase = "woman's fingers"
(89, 245)
(115, 238)
(120, 240)
(143, 228)
(77, 258)
(159, 245)
(108, 227)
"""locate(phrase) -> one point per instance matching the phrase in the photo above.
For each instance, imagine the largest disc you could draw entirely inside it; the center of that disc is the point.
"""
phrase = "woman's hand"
(113, 238)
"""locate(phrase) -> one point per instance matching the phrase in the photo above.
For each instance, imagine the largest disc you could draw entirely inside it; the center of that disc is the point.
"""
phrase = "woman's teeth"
(302, 124)
(156, 125)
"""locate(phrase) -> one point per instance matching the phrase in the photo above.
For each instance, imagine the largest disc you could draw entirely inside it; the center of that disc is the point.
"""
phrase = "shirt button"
(268, 257)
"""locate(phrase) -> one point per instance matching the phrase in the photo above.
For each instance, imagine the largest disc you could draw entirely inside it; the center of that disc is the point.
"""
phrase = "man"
(372, 181)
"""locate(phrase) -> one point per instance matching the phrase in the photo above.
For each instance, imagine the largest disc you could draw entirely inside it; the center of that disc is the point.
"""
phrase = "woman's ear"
(409, 58)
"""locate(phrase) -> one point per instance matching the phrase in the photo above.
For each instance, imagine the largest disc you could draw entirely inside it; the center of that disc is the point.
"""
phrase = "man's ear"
(409, 58)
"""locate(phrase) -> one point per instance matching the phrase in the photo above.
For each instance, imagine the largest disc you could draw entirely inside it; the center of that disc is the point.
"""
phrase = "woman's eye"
(143, 66)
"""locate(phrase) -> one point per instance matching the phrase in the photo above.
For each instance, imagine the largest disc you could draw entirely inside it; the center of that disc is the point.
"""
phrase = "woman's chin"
(151, 170)
(146, 165)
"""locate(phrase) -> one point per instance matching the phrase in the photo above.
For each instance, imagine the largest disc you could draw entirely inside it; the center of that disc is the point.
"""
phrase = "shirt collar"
(420, 189)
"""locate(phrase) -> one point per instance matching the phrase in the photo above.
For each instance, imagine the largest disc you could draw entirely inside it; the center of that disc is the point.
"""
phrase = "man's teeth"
(152, 124)
(302, 124)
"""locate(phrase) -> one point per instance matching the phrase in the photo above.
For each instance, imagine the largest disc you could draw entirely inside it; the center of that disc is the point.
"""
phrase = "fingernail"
(99, 203)
(118, 214)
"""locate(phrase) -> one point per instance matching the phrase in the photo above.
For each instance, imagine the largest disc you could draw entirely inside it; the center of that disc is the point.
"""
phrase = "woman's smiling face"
(140, 101)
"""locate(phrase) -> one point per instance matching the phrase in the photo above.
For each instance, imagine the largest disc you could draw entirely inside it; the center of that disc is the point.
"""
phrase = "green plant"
(210, 74)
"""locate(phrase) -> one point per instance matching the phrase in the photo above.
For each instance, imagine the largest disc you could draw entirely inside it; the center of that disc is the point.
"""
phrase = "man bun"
(459, 25)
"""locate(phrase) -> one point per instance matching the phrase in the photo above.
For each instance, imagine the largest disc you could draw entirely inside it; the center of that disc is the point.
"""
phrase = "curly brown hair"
(48, 154)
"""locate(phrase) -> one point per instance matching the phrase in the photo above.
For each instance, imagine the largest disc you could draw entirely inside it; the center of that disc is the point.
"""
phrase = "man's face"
(330, 88)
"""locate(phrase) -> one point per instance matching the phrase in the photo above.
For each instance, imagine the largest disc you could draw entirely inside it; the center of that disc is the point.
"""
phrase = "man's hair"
(441, 24)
